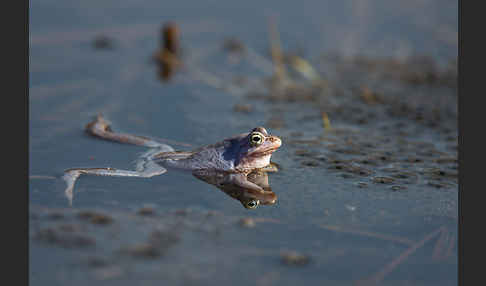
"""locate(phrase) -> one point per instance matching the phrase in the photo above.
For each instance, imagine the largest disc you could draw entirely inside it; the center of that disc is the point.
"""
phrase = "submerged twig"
(392, 238)
(380, 275)
(444, 246)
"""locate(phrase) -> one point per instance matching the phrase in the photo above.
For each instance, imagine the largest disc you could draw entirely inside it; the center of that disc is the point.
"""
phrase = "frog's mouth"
(264, 152)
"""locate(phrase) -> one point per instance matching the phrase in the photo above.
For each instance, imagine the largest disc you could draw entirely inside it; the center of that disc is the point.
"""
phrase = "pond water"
(368, 197)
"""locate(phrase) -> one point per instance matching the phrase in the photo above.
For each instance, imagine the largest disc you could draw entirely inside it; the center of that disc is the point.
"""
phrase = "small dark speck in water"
(413, 160)
(346, 176)
(304, 153)
(96, 262)
(164, 239)
(233, 45)
(383, 180)
(309, 163)
(439, 185)
(146, 211)
(103, 42)
(143, 250)
(362, 184)
(243, 108)
(294, 258)
(55, 216)
(397, 188)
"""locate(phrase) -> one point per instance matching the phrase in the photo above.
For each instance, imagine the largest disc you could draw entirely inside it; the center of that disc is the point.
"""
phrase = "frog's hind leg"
(145, 169)
(101, 128)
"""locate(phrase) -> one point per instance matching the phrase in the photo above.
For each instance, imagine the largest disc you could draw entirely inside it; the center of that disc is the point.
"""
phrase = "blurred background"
(363, 94)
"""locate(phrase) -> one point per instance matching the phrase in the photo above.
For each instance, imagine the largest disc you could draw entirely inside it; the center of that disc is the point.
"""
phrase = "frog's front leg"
(241, 180)
(272, 167)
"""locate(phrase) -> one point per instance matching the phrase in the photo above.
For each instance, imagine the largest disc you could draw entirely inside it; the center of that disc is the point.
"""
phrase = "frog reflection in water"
(249, 197)
(226, 164)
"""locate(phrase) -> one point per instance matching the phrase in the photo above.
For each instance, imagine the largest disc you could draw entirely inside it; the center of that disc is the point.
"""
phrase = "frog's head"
(252, 150)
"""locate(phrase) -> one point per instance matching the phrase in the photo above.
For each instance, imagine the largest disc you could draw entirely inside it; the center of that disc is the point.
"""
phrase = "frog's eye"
(252, 204)
(256, 138)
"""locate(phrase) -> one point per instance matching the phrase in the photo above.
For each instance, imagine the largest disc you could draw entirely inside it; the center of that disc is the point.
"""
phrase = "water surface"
(350, 225)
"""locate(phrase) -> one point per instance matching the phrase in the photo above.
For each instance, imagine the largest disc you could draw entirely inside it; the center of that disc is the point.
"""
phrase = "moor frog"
(235, 157)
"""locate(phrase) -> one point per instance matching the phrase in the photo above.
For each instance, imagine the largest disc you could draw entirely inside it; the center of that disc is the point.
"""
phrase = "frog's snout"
(275, 141)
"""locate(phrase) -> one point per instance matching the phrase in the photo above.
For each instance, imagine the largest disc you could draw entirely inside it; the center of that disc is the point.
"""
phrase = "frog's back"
(211, 157)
